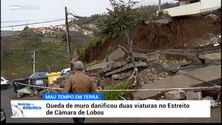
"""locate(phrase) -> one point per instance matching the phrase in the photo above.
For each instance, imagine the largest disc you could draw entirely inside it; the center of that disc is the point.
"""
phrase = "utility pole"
(33, 63)
(67, 36)
(159, 5)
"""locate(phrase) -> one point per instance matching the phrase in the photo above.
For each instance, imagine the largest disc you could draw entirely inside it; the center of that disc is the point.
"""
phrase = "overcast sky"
(16, 12)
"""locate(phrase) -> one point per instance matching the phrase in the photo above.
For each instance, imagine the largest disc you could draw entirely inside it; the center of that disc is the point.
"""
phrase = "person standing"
(79, 83)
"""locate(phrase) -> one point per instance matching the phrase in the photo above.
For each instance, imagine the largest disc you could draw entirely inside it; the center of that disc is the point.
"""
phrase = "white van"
(65, 71)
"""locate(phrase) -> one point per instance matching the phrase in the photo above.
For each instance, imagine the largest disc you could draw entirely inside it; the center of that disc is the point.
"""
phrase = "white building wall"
(207, 5)
(194, 8)
(184, 9)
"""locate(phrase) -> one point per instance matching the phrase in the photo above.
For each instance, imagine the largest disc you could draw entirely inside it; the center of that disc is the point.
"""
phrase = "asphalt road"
(5, 104)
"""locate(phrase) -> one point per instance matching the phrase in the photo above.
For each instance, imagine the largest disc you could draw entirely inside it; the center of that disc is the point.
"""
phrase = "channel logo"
(24, 7)
(16, 111)
(20, 109)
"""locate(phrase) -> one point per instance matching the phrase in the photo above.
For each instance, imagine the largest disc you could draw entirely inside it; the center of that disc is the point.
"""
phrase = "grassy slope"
(17, 61)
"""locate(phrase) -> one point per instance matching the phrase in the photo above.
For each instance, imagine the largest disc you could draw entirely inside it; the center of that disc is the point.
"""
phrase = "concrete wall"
(194, 8)
(184, 9)
(207, 5)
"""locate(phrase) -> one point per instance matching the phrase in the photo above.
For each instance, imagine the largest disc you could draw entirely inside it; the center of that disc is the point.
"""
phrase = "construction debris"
(191, 95)
(213, 103)
(126, 67)
(175, 95)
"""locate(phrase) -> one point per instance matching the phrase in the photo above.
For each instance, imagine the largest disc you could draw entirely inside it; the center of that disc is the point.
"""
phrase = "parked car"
(65, 71)
(3, 117)
(4, 83)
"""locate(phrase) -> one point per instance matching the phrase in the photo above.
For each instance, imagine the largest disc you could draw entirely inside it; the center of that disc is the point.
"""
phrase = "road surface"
(5, 104)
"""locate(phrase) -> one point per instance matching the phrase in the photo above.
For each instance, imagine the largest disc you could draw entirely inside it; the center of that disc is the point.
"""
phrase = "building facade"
(188, 7)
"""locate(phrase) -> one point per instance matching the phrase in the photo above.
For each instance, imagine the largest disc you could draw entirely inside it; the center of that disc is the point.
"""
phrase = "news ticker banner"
(91, 106)
(72, 96)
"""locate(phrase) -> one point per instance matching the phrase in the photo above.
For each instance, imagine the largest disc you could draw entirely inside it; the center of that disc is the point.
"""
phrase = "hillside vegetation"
(51, 53)
(17, 58)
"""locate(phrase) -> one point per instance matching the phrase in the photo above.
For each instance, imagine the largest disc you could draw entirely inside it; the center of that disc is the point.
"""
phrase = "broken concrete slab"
(140, 56)
(188, 57)
(121, 76)
(168, 67)
(126, 67)
(118, 53)
(211, 56)
(153, 57)
(137, 57)
(115, 76)
(209, 73)
(197, 96)
(175, 95)
(125, 75)
(98, 66)
(112, 66)
(191, 95)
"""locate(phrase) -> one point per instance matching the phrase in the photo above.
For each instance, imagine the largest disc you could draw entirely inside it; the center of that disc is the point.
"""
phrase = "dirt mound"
(183, 32)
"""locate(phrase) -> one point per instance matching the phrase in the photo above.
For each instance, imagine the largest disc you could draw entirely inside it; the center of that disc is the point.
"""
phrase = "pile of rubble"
(152, 67)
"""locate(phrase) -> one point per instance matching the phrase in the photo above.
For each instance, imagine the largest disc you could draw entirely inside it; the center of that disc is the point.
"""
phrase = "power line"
(73, 12)
(12, 21)
(76, 16)
(32, 23)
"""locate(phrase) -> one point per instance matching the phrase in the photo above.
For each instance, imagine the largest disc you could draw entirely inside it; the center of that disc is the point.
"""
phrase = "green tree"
(26, 28)
(162, 12)
(119, 19)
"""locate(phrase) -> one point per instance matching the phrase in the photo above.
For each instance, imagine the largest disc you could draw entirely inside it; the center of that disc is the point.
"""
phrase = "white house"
(75, 28)
(63, 27)
(50, 27)
(188, 7)
(60, 27)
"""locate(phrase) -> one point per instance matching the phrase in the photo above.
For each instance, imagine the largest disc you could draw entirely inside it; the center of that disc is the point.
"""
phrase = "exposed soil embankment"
(183, 32)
